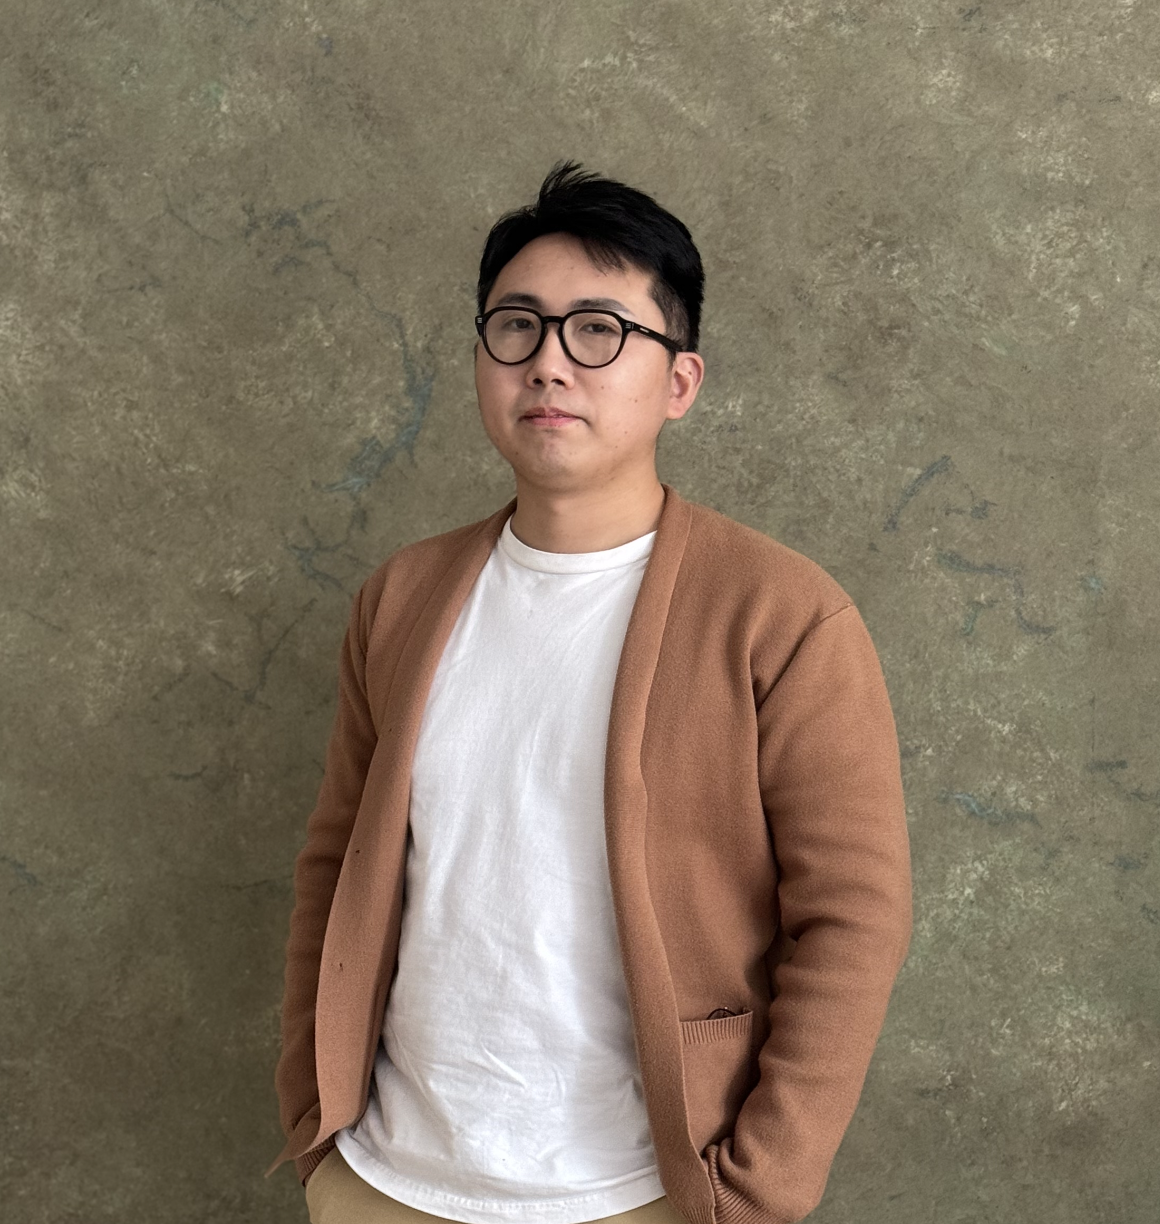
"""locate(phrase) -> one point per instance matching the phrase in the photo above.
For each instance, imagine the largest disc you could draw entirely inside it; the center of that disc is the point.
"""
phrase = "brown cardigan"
(757, 850)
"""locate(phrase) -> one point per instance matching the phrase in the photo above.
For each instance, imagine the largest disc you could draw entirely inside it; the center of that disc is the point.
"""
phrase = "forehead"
(556, 270)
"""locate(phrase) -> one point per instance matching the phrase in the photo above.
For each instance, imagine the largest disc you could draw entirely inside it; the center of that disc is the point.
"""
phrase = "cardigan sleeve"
(316, 871)
(831, 787)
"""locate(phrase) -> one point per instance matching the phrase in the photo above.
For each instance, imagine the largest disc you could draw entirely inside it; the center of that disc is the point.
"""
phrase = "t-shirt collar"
(574, 563)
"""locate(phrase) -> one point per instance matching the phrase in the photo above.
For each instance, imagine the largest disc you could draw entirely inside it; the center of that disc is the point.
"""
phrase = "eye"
(597, 327)
(518, 323)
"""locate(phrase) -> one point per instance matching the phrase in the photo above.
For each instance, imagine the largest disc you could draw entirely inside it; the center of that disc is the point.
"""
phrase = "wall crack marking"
(172, 212)
(20, 870)
(307, 554)
(374, 454)
(250, 695)
(959, 564)
(987, 812)
(1109, 769)
(937, 468)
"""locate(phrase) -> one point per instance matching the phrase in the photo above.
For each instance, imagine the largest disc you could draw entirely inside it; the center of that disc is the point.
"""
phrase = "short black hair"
(617, 225)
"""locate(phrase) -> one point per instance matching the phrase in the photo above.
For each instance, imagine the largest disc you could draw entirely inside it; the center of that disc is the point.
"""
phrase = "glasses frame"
(626, 326)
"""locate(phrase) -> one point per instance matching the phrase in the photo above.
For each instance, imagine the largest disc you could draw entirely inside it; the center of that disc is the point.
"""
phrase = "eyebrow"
(530, 299)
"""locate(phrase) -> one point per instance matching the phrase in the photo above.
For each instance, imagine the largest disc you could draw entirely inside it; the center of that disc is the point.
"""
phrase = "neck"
(587, 520)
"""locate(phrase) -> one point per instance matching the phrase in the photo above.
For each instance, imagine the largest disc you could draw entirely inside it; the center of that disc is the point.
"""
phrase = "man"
(608, 883)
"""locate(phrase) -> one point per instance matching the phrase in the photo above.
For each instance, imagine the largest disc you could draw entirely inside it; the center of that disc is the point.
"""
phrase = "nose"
(550, 364)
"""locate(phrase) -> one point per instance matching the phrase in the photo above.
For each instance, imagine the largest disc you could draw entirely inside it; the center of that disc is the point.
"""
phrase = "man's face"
(615, 412)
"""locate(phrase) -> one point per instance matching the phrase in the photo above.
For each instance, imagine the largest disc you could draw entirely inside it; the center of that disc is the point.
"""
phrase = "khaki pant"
(335, 1194)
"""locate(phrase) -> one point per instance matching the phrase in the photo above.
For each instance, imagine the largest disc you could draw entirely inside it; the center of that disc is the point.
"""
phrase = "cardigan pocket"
(717, 1070)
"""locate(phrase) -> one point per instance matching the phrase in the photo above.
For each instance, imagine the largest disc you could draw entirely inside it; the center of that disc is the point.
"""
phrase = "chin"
(552, 472)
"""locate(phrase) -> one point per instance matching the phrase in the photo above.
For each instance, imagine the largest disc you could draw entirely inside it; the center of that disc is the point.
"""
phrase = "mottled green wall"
(238, 242)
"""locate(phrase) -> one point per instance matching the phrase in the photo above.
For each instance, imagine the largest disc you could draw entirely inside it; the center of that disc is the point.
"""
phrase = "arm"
(316, 869)
(832, 791)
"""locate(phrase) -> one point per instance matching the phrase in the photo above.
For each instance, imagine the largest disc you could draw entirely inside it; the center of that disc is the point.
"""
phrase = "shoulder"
(412, 571)
(758, 600)
(745, 566)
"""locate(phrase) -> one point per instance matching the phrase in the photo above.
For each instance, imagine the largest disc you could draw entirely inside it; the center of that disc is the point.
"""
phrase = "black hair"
(617, 225)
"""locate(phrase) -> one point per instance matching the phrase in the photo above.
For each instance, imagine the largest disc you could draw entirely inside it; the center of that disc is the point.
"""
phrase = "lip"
(548, 414)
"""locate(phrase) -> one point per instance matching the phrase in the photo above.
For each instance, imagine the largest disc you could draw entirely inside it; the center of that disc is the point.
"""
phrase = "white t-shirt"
(507, 1086)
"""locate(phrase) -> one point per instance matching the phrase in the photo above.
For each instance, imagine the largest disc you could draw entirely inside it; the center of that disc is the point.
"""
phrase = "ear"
(685, 380)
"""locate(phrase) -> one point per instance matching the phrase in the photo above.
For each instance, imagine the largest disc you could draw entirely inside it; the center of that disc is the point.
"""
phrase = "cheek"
(642, 395)
(491, 383)
(624, 382)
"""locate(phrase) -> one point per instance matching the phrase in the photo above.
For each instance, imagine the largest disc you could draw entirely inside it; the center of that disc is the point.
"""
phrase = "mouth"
(548, 414)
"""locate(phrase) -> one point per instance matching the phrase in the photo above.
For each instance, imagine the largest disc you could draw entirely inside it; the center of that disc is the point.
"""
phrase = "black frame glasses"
(626, 326)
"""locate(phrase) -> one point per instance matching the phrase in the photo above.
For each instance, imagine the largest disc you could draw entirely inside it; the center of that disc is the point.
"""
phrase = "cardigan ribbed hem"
(309, 1161)
(729, 1207)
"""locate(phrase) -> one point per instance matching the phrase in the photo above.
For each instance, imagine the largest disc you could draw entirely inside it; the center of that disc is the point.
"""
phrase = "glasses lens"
(593, 338)
(512, 334)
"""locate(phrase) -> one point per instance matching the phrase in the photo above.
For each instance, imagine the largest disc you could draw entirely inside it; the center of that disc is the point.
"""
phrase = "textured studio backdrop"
(238, 246)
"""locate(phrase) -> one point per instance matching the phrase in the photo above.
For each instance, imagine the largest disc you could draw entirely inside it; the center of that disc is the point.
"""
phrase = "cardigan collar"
(671, 529)
(408, 690)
